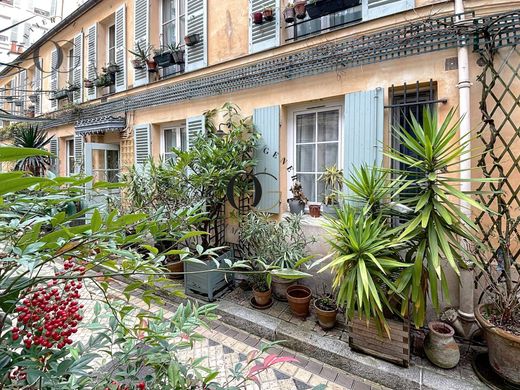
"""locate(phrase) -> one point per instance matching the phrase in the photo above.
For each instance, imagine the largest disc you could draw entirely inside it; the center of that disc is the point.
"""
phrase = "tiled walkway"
(225, 346)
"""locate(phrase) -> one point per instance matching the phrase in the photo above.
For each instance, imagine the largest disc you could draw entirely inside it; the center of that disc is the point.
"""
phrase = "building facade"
(323, 90)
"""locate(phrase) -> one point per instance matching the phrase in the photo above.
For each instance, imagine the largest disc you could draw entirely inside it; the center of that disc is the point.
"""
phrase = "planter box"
(326, 7)
(164, 59)
(178, 57)
(208, 285)
(368, 340)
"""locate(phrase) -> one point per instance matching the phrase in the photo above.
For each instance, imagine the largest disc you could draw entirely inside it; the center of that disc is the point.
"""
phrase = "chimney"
(13, 47)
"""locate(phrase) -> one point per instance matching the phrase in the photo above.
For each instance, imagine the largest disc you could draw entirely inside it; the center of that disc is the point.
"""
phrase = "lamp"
(221, 133)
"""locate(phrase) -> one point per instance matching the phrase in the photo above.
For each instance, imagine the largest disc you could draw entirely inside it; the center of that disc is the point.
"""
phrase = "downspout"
(466, 289)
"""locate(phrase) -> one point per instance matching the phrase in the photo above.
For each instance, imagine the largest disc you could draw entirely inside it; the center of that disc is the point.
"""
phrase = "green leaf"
(11, 153)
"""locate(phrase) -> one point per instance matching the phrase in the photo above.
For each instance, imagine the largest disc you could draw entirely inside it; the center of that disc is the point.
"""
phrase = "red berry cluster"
(49, 315)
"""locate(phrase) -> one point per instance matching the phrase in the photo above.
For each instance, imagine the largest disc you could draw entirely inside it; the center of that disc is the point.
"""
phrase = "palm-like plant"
(437, 226)
(32, 137)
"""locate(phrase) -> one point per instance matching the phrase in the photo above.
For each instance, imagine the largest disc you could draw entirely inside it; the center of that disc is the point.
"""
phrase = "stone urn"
(440, 346)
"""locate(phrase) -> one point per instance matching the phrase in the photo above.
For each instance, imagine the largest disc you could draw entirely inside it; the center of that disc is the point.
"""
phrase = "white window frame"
(291, 135)
(178, 32)
(177, 128)
(108, 42)
(68, 156)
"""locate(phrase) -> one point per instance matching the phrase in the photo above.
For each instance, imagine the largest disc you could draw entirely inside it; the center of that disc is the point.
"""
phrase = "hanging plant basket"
(164, 59)
(288, 15)
(88, 83)
(192, 39)
(258, 17)
(138, 63)
(178, 56)
(320, 8)
(33, 98)
(268, 14)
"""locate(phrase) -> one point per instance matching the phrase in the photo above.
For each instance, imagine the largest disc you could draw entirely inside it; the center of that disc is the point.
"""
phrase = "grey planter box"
(208, 285)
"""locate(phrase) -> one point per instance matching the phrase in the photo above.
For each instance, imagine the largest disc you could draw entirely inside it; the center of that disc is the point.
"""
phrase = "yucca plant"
(32, 137)
(437, 226)
(365, 251)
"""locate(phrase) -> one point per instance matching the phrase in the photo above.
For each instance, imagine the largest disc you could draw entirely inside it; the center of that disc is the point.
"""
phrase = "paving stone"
(213, 343)
(328, 373)
(360, 386)
(344, 380)
(314, 367)
(280, 375)
(227, 350)
(301, 385)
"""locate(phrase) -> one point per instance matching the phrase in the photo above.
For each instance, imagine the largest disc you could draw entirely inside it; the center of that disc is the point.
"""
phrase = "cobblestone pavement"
(224, 346)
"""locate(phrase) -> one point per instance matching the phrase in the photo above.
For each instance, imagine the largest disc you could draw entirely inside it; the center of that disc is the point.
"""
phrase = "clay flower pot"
(151, 65)
(175, 266)
(299, 298)
(257, 17)
(326, 318)
(262, 298)
(268, 14)
(503, 347)
(138, 63)
(315, 210)
(440, 346)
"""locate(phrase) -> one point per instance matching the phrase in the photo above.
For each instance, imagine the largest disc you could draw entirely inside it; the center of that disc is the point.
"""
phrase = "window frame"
(68, 156)
(172, 126)
(291, 135)
(177, 24)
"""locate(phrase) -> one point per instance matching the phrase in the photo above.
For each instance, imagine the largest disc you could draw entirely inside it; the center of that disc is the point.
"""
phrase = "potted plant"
(299, 298)
(326, 311)
(30, 112)
(163, 57)
(88, 83)
(268, 14)
(261, 291)
(192, 39)
(141, 55)
(18, 103)
(288, 13)
(332, 179)
(71, 87)
(112, 67)
(315, 209)
(177, 53)
(138, 63)
(440, 347)
(300, 9)
(257, 17)
(298, 201)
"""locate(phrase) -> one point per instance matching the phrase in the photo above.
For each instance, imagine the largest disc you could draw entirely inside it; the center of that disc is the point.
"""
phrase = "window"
(111, 50)
(172, 31)
(316, 146)
(70, 68)
(69, 148)
(172, 137)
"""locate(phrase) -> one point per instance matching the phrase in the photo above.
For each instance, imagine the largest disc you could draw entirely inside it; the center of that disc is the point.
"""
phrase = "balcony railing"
(350, 13)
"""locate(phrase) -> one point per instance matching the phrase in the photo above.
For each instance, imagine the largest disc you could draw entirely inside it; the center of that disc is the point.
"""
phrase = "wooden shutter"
(91, 59)
(266, 35)
(54, 149)
(54, 78)
(267, 123)
(77, 72)
(373, 9)
(38, 87)
(121, 48)
(194, 126)
(141, 30)
(22, 84)
(363, 138)
(196, 23)
(78, 153)
(142, 143)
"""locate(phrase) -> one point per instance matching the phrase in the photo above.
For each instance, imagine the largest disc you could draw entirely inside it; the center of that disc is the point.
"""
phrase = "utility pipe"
(466, 289)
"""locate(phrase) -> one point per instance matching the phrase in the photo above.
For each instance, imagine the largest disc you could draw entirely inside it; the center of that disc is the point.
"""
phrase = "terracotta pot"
(440, 346)
(326, 318)
(288, 15)
(299, 298)
(279, 287)
(503, 347)
(299, 9)
(262, 298)
(268, 14)
(175, 266)
(315, 210)
(258, 17)
(151, 65)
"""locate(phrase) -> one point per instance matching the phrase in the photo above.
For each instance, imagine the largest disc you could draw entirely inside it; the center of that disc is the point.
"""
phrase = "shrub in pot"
(141, 55)
(332, 179)
(177, 53)
(298, 201)
(326, 311)
(261, 290)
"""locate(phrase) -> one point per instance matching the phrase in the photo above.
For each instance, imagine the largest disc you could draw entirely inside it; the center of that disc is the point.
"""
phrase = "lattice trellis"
(500, 136)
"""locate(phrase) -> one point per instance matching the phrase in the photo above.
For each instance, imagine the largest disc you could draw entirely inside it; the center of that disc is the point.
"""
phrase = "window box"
(320, 8)
(192, 39)
(105, 80)
(164, 59)
(178, 56)
(112, 68)
(61, 94)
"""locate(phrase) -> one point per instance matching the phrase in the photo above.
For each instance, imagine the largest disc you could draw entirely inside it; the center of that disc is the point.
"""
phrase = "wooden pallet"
(367, 340)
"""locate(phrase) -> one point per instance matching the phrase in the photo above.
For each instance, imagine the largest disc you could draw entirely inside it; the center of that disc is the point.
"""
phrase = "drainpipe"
(466, 289)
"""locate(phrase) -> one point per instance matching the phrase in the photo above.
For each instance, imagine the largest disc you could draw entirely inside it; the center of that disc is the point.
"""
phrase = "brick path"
(224, 346)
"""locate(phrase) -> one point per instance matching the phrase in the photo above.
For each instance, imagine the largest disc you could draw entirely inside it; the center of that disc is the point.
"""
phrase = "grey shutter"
(54, 77)
(121, 48)
(22, 83)
(363, 138)
(142, 145)
(54, 149)
(78, 153)
(77, 72)
(196, 23)
(91, 59)
(266, 35)
(373, 9)
(267, 123)
(37, 87)
(141, 28)
(194, 126)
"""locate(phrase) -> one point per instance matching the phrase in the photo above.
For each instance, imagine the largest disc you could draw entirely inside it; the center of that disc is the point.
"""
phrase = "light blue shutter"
(77, 72)
(54, 78)
(266, 35)
(267, 123)
(141, 29)
(363, 137)
(373, 9)
(120, 30)
(54, 149)
(142, 143)
(37, 87)
(196, 23)
(91, 59)
(194, 126)
(78, 153)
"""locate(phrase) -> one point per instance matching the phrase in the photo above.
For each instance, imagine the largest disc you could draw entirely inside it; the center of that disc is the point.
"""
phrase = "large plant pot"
(440, 346)
(330, 210)
(262, 298)
(326, 318)
(178, 56)
(321, 8)
(299, 298)
(177, 267)
(279, 287)
(164, 59)
(205, 283)
(503, 347)
(295, 206)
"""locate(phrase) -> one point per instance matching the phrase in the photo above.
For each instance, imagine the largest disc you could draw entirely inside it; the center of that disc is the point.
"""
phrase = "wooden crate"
(367, 340)
(208, 285)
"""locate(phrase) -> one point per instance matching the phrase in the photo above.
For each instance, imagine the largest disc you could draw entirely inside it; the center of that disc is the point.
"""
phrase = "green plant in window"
(332, 178)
